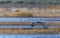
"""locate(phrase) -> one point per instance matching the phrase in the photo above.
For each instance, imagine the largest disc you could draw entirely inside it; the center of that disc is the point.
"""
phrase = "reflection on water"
(29, 36)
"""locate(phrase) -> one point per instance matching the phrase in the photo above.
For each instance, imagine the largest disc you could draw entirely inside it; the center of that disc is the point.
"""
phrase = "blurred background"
(31, 1)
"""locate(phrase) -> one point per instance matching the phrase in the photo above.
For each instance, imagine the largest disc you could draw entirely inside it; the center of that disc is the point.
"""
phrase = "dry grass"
(30, 31)
(35, 15)
(23, 14)
(29, 23)
(46, 15)
(16, 14)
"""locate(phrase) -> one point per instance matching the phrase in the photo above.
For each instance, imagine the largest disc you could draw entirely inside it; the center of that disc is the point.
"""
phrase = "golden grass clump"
(22, 14)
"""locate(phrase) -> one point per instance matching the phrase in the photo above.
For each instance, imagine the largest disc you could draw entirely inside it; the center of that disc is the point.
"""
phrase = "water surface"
(29, 35)
(29, 19)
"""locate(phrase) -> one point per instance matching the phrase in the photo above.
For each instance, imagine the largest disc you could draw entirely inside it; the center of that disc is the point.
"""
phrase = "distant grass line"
(31, 2)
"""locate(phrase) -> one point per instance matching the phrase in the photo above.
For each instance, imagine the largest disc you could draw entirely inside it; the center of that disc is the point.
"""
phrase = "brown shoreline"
(28, 23)
(30, 31)
(34, 15)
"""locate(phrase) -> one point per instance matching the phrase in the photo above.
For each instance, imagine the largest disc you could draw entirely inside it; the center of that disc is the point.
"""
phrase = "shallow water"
(29, 35)
(29, 19)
